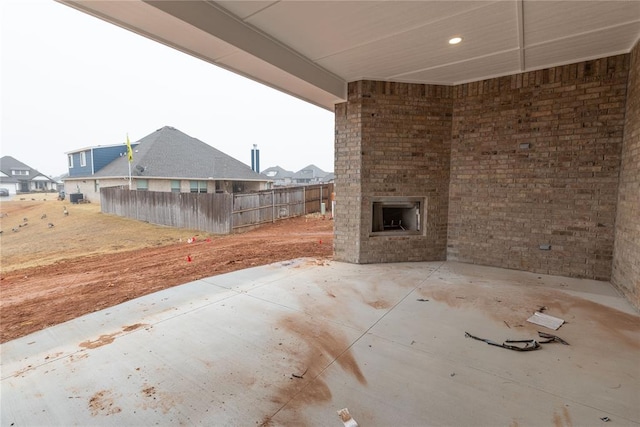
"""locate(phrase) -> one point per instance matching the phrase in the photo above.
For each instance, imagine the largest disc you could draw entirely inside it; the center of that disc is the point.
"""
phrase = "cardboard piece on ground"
(545, 320)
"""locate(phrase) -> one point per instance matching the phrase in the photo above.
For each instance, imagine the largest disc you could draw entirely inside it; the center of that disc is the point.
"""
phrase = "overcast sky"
(70, 80)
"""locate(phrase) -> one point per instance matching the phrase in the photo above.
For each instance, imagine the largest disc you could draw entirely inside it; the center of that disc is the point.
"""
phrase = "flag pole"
(129, 158)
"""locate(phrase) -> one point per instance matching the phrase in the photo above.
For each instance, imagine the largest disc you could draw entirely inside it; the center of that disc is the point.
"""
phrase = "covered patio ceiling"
(312, 49)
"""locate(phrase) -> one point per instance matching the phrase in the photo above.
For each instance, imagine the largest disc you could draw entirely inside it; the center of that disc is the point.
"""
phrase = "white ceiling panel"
(427, 46)
(583, 47)
(546, 21)
(347, 25)
(312, 49)
(492, 65)
(245, 9)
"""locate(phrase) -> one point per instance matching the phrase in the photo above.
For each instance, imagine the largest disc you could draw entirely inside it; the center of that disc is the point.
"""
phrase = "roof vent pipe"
(255, 158)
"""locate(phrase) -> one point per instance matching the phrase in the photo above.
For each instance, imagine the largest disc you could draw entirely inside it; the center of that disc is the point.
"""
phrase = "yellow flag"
(129, 150)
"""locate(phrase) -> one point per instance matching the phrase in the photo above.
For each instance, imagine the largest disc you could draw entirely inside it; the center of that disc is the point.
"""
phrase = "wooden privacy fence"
(206, 212)
(217, 213)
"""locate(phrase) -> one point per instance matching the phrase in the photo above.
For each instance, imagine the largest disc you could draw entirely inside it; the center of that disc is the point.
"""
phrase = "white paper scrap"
(345, 416)
(545, 320)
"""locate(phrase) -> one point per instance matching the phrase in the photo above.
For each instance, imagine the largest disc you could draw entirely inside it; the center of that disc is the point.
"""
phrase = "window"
(175, 186)
(70, 161)
(198, 186)
(238, 187)
(83, 159)
(142, 184)
(20, 172)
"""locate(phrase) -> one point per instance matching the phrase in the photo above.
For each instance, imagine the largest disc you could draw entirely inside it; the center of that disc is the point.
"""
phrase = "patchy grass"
(84, 231)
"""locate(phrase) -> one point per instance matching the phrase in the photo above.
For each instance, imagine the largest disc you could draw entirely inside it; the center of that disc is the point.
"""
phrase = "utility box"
(76, 197)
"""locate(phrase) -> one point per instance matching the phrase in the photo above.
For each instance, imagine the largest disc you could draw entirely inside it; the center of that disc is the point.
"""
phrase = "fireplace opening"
(397, 215)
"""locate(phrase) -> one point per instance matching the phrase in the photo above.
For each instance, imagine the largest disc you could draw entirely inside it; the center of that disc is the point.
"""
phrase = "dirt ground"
(87, 261)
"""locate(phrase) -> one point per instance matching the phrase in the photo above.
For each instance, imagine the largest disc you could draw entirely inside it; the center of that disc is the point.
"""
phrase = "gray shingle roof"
(169, 153)
(7, 163)
(311, 171)
(280, 173)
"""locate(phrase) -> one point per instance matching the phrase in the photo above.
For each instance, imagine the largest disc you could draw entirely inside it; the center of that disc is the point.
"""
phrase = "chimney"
(255, 158)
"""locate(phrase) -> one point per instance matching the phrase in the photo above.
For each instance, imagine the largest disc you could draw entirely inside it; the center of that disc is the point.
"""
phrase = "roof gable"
(8, 164)
(311, 171)
(276, 172)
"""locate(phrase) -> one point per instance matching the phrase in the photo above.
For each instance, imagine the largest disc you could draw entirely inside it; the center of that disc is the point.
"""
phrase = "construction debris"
(525, 345)
(346, 418)
(522, 345)
(545, 320)
(301, 376)
(551, 338)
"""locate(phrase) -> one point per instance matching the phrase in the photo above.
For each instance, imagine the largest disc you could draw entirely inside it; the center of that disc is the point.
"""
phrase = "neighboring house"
(309, 175)
(87, 161)
(60, 181)
(166, 160)
(330, 177)
(280, 176)
(16, 177)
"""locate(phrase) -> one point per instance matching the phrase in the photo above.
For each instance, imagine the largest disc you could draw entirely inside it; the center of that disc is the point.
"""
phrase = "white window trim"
(83, 159)
(70, 161)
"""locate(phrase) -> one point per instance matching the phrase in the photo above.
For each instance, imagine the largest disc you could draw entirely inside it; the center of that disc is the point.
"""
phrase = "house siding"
(102, 156)
(87, 185)
(97, 158)
(78, 170)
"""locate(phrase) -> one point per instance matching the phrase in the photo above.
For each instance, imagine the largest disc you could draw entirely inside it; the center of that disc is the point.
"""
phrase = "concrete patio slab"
(292, 343)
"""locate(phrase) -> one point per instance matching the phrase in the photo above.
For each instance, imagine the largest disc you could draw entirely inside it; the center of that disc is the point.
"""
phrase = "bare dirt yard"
(57, 266)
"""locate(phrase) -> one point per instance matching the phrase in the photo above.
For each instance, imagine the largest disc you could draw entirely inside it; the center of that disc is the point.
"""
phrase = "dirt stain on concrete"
(379, 304)
(109, 338)
(103, 340)
(515, 304)
(562, 420)
(152, 398)
(324, 339)
(102, 403)
(321, 343)
(133, 327)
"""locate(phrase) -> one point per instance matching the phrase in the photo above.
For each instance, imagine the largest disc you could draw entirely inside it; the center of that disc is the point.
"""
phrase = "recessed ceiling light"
(455, 40)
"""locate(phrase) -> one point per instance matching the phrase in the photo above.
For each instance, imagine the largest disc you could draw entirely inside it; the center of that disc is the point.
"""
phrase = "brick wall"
(527, 160)
(347, 165)
(392, 139)
(626, 254)
(507, 199)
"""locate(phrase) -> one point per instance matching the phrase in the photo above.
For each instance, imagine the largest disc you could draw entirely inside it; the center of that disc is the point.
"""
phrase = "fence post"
(232, 202)
(273, 206)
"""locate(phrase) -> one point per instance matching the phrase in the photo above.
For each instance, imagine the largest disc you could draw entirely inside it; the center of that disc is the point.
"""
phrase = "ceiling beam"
(520, 7)
(219, 23)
